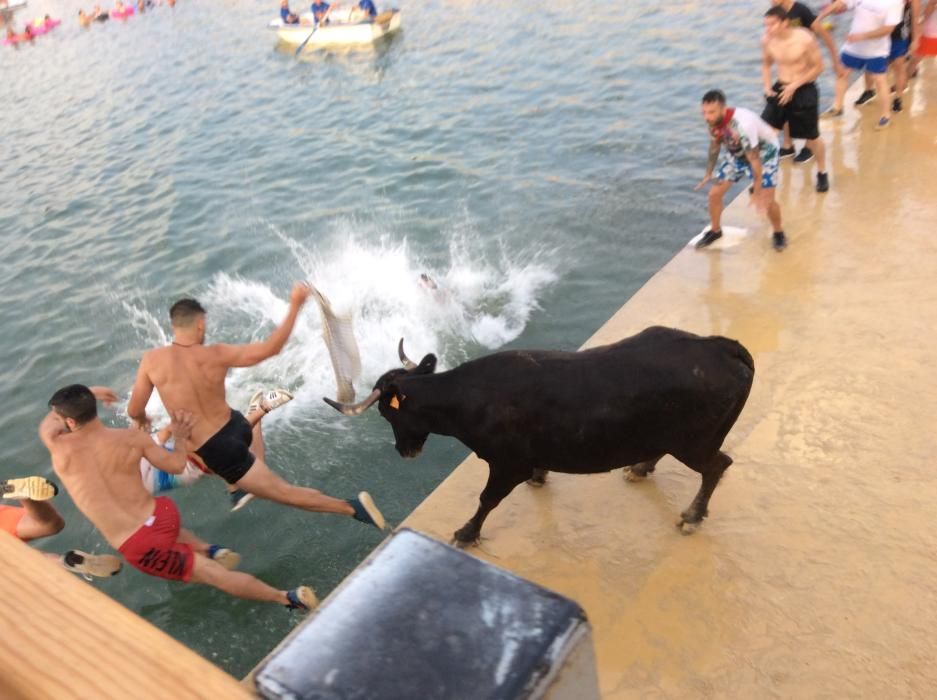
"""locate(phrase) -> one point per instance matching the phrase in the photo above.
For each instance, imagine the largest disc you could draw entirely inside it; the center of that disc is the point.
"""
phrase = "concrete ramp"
(814, 574)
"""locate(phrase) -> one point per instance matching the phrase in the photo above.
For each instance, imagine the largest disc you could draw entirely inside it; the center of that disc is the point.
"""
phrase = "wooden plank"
(62, 638)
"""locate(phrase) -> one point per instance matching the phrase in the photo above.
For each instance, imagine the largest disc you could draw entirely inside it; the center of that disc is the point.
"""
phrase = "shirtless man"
(100, 467)
(802, 16)
(190, 375)
(794, 99)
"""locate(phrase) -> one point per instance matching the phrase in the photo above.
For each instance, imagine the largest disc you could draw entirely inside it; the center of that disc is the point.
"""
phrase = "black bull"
(662, 391)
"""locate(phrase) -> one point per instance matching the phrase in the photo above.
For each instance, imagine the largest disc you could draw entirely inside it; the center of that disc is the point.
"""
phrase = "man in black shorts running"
(794, 99)
(800, 15)
(190, 376)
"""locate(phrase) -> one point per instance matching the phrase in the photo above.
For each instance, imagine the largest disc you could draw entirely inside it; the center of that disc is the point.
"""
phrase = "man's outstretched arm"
(254, 353)
(142, 390)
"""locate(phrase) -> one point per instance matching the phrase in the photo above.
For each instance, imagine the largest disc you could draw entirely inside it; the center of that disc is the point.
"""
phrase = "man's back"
(192, 379)
(100, 468)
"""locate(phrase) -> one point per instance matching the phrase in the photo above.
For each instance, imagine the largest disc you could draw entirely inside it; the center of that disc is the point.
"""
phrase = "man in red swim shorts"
(100, 468)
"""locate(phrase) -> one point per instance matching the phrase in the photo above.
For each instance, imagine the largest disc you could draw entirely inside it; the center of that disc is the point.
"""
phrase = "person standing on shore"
(867, 47)
(793, 102)
(802, 16)
(751, 149)
(904, 43)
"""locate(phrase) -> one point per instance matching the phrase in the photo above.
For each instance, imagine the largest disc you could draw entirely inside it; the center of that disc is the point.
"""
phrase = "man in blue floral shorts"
(751, 150)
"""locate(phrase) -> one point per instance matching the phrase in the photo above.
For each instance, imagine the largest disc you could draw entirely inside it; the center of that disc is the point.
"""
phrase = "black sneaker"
(896, 105)
(709, 238)
(786, 152)
(804, 155)
(779, 241)
(823, 182)
(866, 97)
(302, 598)
(366, 511)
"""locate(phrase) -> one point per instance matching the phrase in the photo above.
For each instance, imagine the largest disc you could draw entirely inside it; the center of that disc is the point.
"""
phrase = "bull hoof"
(538, 479)
(464, 537)
(689, 528)
(634, 476)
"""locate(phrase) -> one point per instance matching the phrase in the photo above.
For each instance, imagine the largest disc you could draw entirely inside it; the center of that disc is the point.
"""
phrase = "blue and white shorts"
(734, 169)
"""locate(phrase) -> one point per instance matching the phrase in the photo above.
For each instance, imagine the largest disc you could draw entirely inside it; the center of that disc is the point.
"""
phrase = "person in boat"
(286, 15)
(364, 8)
(320, 11)
(100, 468)
(35, 518)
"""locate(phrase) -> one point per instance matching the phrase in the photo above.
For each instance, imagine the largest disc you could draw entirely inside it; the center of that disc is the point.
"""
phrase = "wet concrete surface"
(814, 574)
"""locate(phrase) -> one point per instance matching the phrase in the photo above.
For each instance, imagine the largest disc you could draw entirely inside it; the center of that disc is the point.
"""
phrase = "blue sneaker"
(224, 556)
(883, 123)
(366, 511)
(302, 598)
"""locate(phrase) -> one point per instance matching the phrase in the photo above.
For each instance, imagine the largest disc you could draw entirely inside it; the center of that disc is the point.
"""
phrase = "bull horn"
(407, 362)
(354, 409)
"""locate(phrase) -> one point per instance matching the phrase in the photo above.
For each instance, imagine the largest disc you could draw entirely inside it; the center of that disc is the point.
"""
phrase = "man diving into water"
(189, 375)
(100, 468)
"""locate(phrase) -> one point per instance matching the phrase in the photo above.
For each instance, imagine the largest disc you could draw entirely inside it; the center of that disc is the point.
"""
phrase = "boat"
(338, 31)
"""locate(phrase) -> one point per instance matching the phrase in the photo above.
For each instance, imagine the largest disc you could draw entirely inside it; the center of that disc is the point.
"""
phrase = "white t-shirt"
(746, 131)
(870, 15)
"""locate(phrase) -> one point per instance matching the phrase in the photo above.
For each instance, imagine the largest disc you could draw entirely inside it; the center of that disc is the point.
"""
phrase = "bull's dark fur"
(662, 391)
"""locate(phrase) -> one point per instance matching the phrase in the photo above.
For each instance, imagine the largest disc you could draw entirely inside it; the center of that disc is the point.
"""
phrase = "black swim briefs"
(226, 453)
(802, 112)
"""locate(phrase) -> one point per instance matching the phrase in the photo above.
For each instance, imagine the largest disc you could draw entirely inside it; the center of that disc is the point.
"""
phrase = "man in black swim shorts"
(190, 375)
(794, 99)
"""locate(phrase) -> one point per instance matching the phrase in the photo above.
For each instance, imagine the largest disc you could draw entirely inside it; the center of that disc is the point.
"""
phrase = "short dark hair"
(184, 312)
(777, 11)
(714, 96)
(75, 401)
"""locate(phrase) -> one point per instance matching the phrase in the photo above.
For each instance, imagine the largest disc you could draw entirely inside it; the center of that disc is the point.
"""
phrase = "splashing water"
(475, 301)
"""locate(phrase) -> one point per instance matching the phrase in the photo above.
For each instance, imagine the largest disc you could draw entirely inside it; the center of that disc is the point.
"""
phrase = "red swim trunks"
(153, 548)
(10, 517)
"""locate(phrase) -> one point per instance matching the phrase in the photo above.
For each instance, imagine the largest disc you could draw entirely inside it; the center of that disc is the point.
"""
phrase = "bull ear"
(427, 365)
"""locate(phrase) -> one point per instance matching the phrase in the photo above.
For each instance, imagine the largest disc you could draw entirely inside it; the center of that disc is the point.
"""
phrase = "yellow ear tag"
(394, 402)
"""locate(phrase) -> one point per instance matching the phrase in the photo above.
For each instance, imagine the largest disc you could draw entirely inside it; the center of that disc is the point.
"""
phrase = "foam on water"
(483, 298)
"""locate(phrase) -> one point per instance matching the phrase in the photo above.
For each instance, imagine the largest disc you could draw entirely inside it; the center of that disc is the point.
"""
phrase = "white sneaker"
(267, 401)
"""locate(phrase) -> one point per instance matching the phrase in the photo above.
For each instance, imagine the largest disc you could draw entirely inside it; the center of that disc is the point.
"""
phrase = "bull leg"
(639, 471)
(500, 484)
(539, 478)
(692, 517)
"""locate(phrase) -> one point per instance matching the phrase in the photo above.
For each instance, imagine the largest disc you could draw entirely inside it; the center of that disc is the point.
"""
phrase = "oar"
(314, 30)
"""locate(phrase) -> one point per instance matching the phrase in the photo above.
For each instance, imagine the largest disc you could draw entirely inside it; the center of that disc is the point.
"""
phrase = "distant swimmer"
(752, 150)
(794, 101)
(83, 19)
(99, 15)
(866, 49)
(802, 16)
(285, 14)
(428, 281)
(35, 518)
(189, 374)
(99, 467)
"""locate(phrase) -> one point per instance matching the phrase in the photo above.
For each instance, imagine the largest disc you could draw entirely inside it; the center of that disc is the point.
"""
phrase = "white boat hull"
(336, 33)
